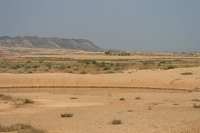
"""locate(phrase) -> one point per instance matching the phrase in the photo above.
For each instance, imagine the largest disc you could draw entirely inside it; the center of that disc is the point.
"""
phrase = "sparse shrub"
(162, 62)
(67, 115)
(68, 71)
(15, 66)
(106, 68)
(196, 106)
(21, 128)
(5, 97)
(40, 61)
(28, 61)
(35, 66)
(147, 62)
(1, 95)
(112, 64)
(62, 66)
(28, 101)
(27, 128)
(138, 98)
(171, 67)
(102, 64)
(75, 69)
(116, 122)
(196, 100)
(30, 71)
(8, 128)
(24, 126)
(187, 73)
(117, 68)
(32, 130)
(28, 67)
(48, 64)
(159, 64)
(117, 64)
(83, 72)
(122, 99)
(68, 66)
(3, 66)
(94, 62)
(73, 98)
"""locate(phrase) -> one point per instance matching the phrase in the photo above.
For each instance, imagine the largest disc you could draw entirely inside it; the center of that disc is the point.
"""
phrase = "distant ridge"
(52, 42)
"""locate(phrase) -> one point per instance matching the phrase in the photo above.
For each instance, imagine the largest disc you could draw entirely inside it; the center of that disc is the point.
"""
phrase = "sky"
(129, 25)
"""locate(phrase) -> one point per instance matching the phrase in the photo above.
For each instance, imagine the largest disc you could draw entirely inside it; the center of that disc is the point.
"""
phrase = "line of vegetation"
(21, 128)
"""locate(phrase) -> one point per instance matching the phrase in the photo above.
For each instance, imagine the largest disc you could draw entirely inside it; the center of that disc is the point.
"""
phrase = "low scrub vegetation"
(21, 128)
(73, 98)
(83, 72)
(26, 101)
(138, 97)
(31, 65)
(196, 106)
(67, 115)
(171, 67)
(197, 100)
(5, 97)
(187, 73)
(122, 99)
(116, 122)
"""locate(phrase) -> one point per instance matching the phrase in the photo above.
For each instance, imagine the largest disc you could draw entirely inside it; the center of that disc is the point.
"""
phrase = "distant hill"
(52, 42)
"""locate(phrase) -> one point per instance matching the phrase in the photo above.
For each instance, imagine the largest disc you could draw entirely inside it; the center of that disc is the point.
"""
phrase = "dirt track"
(167, 111)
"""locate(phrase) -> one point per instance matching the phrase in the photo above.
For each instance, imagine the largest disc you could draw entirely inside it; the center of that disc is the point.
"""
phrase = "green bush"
(106, 68)
(111, 64)
(35, 66)
(28, 67)
(117, 64)
(122, 99)
(102, 64)
(48, 64)
(171, 67)
(28, 61)
(117, 68)
(40, 61)
(147, 62)
(94, 62)
(28, 101)
(15, 66)
(62, 66)
(83, 72)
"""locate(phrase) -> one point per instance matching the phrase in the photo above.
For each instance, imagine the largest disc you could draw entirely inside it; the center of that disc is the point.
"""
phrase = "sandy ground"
(131, 78)
(157, 111)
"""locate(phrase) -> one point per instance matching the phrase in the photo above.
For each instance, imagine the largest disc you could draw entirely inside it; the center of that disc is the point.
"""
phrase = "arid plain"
(147, 98)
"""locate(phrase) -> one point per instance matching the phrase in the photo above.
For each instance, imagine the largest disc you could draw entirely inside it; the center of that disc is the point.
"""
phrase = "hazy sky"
(142, 25)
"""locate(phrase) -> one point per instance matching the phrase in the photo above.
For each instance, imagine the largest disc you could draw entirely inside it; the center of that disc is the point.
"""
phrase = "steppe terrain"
(147, 94)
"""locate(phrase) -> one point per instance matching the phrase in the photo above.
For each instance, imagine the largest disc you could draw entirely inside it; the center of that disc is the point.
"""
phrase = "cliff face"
(53, 42)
